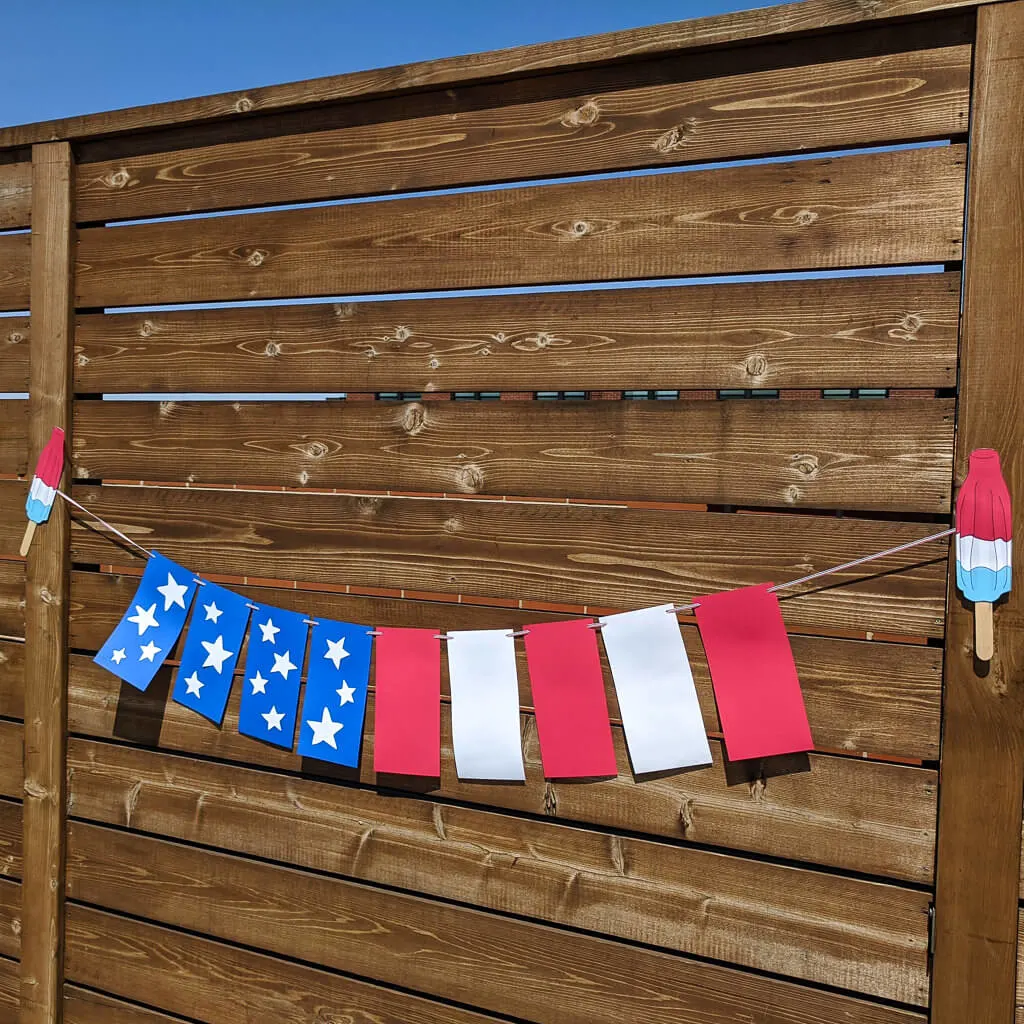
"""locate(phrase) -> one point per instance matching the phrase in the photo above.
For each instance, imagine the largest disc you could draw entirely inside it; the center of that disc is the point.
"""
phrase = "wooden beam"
(982, 769)
(46, 594)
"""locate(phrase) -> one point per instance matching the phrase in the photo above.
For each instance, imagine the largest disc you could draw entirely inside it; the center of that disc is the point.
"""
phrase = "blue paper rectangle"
(331, 725)
(148, 630)
(270, 685)
(212, 644)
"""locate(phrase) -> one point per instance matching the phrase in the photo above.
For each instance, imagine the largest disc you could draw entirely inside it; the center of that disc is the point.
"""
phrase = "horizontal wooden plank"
(14, 271)
(863, 816)
(852, 934)
(14, 347)
(12, 591)
(219, 984)
(10, 844)
(14, 431)
(613, 558)
(10, 991)
(892, 331)
(11, 758)
(12, 679)
(882, 698)
(10, 920)
(881, 455)
(84, 1007)
(890, 98)
(525, 970)
(878, 208)
(647, 42)
(12, 523)
(15, 195)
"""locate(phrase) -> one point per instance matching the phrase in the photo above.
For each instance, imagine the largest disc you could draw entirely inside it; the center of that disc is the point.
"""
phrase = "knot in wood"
(344, 310)
(806, 464)
(256, 257)
(580, 228)
(434, 363)
(805, 217)
(550, 799)
(586, 113)
(36, 790)
(272, 349)
(791, 494)
(46, 596)
(686, 816)
(907, 329)
(243, 105)
(401, 334)
(316, 450)
(15, 338)
(452, 525)
(147, 328)
(81, 359)
(756, 365)
(166, 408)
(676, 137)
(470, 478)
(413, 418)
(116, 179)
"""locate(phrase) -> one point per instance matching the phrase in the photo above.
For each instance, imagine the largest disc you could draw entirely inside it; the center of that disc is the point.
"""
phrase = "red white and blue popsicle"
(44, 486)
(984, 543)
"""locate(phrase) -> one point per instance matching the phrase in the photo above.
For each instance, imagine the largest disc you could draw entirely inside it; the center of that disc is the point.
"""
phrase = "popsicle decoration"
(44, 486)
(984, 532)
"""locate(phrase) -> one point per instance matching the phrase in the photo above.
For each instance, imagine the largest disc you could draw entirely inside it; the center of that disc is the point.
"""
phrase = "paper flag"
(568, 696)
(485, 704)
(407, 718)
(331, 723)
(273, 667)
(148, 630)
(212, 644)
(759, 701)
(654, 685)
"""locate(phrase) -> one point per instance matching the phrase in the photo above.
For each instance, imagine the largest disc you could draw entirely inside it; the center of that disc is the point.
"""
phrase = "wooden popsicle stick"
(983, 645)
(26, 541)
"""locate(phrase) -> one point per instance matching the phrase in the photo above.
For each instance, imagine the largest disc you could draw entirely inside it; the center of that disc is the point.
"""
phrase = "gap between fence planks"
(891, 456)
(604, 557)
(852, 934)
(481, 139)
(903, 207)
(889, 331)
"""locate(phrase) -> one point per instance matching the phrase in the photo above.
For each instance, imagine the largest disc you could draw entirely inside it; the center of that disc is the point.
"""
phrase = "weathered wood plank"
(11, 760)
(12, 588)
(878, 208)
(883, 455)
(898, 331)
(13, 436)
(863, 816)
(12, 523)
(659, 40)
(219, 984)
(16, 195)
(10, 843)
(891, 98)
(15, 260)
(47, 578)
(9, 991)
(10, 918)
(983, 744)
(12, 679)
(573, 555)
(856, 935)
(14, 348)
(84, 1007)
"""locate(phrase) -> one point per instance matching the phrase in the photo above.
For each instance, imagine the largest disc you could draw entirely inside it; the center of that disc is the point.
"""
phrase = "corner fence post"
(47, 576)
(982, 767)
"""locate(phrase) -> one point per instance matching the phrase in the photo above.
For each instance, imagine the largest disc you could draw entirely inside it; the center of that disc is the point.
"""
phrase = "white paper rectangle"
(485, 705)
(654, 685)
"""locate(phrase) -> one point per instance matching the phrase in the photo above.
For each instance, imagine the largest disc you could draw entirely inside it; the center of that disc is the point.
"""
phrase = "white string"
(104, 523)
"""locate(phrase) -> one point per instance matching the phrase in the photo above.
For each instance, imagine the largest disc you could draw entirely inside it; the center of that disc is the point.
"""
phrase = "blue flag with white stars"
(148, 630)
(270, 684)
(212, 643)
(331, 724)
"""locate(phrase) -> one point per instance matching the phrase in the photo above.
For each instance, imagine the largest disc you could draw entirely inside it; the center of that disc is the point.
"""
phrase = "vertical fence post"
(47, 577)
(982, 768)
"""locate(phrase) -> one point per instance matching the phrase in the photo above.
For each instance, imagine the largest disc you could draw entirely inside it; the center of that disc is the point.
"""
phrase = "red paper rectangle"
(407, 718)
(568, 696)
(757, 690)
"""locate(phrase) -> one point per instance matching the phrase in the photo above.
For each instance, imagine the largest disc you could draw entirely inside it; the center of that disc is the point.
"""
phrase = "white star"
(283, 664)
(149, 652)
(193, 684)
(118, 656)
(213, 613)
(273, 719)
(336, 651)
(345, 693)
(325, 730)
(259, 684)
(144, 618)
(215, 654)
(174, 592)
(269, 631)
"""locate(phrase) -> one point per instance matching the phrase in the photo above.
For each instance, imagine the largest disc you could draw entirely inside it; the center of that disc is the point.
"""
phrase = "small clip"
(196, 579)
(595, 625)
(442, 636)
(675, 609)
(373, 632)
(311, 622)
(254, 607)
(519, 632)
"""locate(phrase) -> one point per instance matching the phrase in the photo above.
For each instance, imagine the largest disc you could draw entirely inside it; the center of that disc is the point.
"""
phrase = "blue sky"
(70, 57)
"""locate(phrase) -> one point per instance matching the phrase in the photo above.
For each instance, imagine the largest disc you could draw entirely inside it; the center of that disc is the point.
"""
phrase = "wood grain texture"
(10, 918)
(84, 1007)
(658, 40)
(898, 331)
(14, 435)
(891, 98)
(12, 592)
(853, 934)
(612, 558)
(12, 524)
(983, 745)
(47, 575)
(14, 347)
(219, 984)
(12, 679)
(12, 773)
(10, 848)
(860, 697)
(15, 195)
(9, 991)
(863, 816)
(878, 208)
(883, 455)
(15, 260)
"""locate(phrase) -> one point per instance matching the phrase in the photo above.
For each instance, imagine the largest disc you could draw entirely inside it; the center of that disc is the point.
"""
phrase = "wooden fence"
(159, 869)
